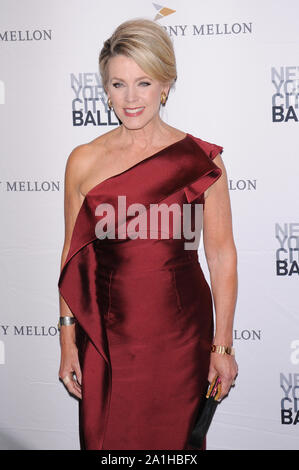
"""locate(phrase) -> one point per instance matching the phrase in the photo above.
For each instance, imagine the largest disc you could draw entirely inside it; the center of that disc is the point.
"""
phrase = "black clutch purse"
(205, 414)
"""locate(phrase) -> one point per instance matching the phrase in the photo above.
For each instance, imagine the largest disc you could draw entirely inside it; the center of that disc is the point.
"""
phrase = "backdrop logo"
(35, 35)
(289, 384)
(287, 255)
(28, 330)
(24, 330)
(89, 104)
(242, 184)
(2, 92)
(162, 11)
(247, 335)
(203, 29)
(30, 186)
(286, 92)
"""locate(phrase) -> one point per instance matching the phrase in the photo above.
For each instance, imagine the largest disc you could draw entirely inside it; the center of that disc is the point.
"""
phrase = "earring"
(109, 103)
(163, 98)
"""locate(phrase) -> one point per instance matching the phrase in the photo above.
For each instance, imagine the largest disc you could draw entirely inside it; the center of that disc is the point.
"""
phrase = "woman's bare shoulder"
(83, 156)
(84, 161)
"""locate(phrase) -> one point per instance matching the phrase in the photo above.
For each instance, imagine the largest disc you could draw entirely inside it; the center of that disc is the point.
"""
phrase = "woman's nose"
(131, 94)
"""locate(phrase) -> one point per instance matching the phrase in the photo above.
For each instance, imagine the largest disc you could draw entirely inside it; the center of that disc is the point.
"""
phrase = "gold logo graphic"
(162, 11)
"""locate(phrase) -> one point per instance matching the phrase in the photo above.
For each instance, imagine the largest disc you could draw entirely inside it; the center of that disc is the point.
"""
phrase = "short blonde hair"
(147, 43)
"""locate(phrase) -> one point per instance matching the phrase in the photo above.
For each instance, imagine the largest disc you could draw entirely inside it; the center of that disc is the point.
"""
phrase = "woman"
(137, 327)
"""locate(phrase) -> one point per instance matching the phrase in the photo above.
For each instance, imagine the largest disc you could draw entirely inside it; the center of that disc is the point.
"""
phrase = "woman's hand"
(225, 366)
(69, 365)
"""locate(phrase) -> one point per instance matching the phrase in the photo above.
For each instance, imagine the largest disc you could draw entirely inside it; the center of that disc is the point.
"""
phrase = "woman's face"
(135, 96)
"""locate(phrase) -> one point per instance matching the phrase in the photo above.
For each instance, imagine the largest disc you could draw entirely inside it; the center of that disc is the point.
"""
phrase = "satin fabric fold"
(97, 282)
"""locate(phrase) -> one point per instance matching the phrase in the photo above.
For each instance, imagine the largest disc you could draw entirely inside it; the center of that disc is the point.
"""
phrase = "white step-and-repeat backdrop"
(238, 86)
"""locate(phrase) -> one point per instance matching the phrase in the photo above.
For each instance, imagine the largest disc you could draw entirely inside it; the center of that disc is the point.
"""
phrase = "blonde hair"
(147, 43)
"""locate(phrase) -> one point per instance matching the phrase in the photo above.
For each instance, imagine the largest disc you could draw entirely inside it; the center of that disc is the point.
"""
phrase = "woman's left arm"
(221, 256)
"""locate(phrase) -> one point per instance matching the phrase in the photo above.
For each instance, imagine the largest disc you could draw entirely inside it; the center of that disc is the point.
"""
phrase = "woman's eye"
(117, 84)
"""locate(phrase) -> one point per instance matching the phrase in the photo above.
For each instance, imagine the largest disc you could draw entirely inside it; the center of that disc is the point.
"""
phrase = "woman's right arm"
(73, 199)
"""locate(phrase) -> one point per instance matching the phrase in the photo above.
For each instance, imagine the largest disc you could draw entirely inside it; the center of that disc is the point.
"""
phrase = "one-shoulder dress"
(144, 309)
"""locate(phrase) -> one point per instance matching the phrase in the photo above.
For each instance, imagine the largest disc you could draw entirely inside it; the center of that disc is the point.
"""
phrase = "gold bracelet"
(223, 350)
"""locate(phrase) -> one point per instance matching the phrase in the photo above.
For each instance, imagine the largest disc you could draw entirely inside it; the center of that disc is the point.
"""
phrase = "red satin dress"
(143, 306)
